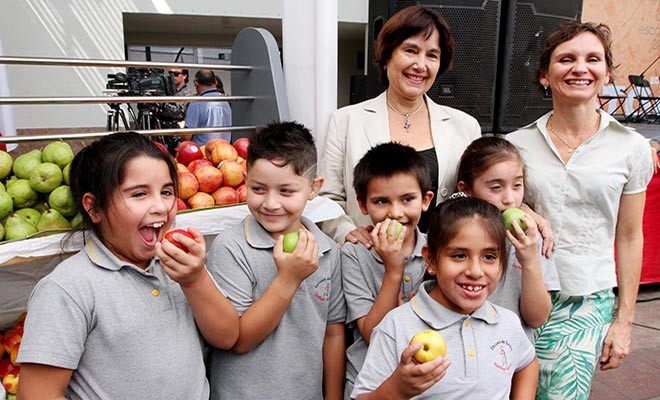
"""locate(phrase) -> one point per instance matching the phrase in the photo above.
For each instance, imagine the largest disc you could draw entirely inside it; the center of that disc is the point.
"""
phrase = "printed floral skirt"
(568, 346)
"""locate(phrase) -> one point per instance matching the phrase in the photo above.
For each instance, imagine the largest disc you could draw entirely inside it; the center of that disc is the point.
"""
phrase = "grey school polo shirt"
(509, 290)
(288, 364)
(362, 277)
(486, 348)
(126, 333)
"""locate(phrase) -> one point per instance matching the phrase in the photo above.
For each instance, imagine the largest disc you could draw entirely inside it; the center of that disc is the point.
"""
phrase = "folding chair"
(614, 100)
(648, 105)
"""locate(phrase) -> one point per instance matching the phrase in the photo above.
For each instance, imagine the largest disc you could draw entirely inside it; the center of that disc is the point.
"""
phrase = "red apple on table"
(241, 145)
(169, 235)
(225, 196)
(201, 200)
(233, 173)
(181, 168)
(6, 367)
(162, 148)
(188, 184)
(11, 339)
(242, 193)
(223, 151)
(10, 383)
(197, 164)
(187, 152)
(208, 147)
(180, 204)
(209, 178)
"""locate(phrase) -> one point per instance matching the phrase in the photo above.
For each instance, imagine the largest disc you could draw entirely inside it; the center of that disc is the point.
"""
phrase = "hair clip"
(458, 195)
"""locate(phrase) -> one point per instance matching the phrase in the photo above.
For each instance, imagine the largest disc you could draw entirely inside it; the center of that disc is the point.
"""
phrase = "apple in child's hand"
(10, 382)
(398, 226)
(433, 346)
(169, 235)
(511, 214)
(290, 242)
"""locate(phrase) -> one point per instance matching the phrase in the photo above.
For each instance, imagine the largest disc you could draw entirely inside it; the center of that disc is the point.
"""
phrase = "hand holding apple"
(290, 241)
(387, 239)
(184, 267)
(296, 266)
(433, 346)
(171, 234)
(513, 214)
(526, 243)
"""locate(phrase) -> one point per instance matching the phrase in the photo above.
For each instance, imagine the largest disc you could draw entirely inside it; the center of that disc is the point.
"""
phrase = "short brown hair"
(409, 22)
(567, 32)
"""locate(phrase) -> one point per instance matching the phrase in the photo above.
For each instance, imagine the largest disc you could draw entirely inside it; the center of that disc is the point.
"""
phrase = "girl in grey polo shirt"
(488, 355)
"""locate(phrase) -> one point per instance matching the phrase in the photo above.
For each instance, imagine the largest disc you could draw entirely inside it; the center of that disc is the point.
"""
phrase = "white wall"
(93, 29)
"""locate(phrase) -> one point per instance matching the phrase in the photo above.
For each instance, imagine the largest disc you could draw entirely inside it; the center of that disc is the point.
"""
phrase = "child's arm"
(391, 252)
(263, 316)
(334, 350)
(43, 382)
(535, 302)
(410, 379)
(523, 385)
(214, 314)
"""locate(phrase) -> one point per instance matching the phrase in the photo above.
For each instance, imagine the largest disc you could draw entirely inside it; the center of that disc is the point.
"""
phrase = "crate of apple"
(10, 369)
(211, 175)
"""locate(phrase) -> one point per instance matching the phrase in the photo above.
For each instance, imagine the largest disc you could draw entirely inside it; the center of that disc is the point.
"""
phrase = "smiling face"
(277, 196)
(467, 269)
(142, 208)
(577, 70)
(502, 185)
(398, 197)
(413, 66)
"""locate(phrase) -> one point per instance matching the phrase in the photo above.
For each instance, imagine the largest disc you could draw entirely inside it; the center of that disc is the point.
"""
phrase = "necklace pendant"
(570, 150)
(406, 123)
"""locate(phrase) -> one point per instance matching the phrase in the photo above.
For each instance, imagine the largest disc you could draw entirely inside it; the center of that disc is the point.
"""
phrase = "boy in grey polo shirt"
(392, 185)
(291, 340)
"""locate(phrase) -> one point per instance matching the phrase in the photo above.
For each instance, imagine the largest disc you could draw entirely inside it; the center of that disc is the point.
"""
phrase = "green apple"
(514, 214)
(6, 163)
(22, 194)
(66, 173)
(290, 242)
(62, 200)
(433, 346)
(46, 177)
(397, 229)
(6, 204)
(24, 165)
(31, 215)
(59, 153)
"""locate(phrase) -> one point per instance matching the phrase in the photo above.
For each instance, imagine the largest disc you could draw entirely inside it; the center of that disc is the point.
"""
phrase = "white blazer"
(354, 129)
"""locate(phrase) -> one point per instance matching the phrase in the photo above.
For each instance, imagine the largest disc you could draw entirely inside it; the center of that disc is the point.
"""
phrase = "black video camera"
(141, 82)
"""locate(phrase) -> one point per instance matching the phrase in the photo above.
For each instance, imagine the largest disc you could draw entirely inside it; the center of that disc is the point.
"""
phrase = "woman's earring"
(546, 90)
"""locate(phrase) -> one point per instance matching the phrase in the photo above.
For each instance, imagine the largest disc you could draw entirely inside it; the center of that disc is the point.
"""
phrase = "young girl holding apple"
(491, 169)
(120, 318)
(487, 354)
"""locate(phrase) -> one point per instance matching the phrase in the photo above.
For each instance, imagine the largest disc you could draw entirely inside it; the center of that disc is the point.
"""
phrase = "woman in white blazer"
(413, 47)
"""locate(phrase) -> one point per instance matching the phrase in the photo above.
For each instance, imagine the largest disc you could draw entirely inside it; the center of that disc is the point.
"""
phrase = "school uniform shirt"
(509, 290)
(485, 348)
(288, 364)
(355, 129)
(127, 333)
(581, 198)
(362, 276)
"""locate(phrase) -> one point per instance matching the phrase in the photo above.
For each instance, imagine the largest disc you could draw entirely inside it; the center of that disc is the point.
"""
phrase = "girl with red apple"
(120, 318)
(491, 169)
(487, 351)
(587, 174)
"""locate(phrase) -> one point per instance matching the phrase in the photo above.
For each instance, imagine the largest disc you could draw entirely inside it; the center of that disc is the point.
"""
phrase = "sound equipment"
(526, 27)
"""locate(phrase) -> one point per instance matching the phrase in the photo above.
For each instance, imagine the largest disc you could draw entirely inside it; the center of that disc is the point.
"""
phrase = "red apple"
(241, 145)
(209, 178)
(6, 367)
(197, 164)
(242, 193)
(225, 196)
(162, 148)
(10, 382)
(169, 235)
(233, 173)
(188, 184)
(180, 167)
(201, 200)
(187, 152)
(14, 355)
(22, 316)
(208, 147)
(223, 151)
(12, 339)
(180, 204)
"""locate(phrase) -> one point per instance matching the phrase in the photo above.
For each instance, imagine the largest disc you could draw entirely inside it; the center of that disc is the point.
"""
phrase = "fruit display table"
(651, 261)
(24, 262)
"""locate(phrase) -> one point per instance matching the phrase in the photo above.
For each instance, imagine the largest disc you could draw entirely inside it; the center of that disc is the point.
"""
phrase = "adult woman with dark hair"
(587, 174)
(413, 48)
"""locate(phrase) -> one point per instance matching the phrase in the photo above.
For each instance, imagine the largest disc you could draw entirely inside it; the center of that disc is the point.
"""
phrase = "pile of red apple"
(10, 341)
(213, 174)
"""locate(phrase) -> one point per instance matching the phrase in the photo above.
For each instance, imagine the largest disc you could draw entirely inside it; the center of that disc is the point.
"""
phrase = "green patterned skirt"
(568, 346)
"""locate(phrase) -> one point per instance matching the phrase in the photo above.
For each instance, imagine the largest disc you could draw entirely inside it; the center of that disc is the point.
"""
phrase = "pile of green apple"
(34, 192)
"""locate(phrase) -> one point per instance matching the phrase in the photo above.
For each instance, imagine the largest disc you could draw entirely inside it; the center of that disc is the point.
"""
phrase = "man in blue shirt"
(208, 113)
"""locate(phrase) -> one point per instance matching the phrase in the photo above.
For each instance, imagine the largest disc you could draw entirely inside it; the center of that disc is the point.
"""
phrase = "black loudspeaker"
(526, 26)
(358, 89)
(470, 85)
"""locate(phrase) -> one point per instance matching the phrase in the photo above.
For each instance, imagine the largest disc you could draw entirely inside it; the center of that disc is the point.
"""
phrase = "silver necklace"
(406, 116)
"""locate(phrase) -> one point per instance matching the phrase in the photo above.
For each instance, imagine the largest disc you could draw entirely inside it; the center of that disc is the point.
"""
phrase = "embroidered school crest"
(502, 351)
(321, 290)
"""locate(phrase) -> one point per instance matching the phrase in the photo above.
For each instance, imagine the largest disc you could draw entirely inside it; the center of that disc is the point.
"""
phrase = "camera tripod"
(115, 113)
